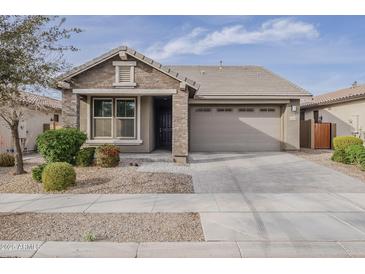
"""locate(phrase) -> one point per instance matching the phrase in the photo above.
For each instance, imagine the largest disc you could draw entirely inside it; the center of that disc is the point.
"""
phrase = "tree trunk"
(19, 166)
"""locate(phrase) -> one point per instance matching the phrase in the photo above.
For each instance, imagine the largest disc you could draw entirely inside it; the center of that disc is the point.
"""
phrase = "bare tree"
(31, 55)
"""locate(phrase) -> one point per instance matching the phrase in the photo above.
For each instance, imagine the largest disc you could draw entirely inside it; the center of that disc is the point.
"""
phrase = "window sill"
(124, 85)
(118, 142)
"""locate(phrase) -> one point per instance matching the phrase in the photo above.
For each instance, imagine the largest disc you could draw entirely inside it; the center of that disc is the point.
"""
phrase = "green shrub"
(58, 176)
(340, 156)
(6, 159)
(362, 164)
(60, 145)
(37, 172)
(342, 142)
(354, 152)
(85, 156)
(107, 156)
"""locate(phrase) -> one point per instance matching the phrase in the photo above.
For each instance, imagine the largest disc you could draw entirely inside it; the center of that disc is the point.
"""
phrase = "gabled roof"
(32, 99)
(239, 81)
(342, 95)
(168, 71)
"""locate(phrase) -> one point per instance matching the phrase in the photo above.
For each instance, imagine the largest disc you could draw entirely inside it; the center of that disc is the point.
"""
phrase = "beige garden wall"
(349, 117)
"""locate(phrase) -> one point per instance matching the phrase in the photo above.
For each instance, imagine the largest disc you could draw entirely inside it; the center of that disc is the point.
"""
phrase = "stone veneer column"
(70, 109)
(180, 130)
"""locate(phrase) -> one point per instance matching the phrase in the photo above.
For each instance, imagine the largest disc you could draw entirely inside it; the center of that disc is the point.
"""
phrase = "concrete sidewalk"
(253, 249)
(202, 203)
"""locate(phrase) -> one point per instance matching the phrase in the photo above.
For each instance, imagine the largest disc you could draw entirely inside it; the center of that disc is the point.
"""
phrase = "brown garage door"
(235, 128)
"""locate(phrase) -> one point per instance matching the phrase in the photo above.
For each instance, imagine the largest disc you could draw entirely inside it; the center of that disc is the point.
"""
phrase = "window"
(316, 116)
(124, 73)
(102, 117)
(246, 110)
(203, 110)
(56, 118)
(267, 109)
(224, 109)
(125, 118)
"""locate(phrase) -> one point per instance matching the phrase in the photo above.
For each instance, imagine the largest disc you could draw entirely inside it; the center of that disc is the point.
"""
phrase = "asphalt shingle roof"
(341, 95)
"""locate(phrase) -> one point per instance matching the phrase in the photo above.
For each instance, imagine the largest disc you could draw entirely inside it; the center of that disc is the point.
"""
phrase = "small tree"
(31, 55)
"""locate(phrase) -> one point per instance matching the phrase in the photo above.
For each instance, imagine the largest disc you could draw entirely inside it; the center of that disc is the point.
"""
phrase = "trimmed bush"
(342, 142)
(85, 156)
(354, 153)
(37, 173)
(58, 176)
(60, 145)
(6, 160)
(340, 156)
(107, 156)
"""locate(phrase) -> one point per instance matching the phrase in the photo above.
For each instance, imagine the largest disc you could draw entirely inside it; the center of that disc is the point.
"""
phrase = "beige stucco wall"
(344, 115)
(29, 128)
(290, 126)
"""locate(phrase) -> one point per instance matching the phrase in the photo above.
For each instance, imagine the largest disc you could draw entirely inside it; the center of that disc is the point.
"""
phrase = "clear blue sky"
(319, 53)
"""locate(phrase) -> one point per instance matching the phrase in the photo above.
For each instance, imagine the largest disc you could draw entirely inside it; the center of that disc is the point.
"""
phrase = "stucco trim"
(237, 102)
(114, 142)
(124, 91)
(261, 97)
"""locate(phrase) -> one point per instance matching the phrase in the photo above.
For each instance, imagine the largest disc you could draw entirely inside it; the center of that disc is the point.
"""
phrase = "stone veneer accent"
(180, 131)
(70, 109)
(103, 76)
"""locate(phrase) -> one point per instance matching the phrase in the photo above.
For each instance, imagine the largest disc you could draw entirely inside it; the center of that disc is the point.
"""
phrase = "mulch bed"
(126, 227)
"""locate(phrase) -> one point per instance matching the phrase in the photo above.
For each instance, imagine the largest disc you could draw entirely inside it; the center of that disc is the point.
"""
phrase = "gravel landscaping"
(323, 157)
(122, 179)
(129, 227)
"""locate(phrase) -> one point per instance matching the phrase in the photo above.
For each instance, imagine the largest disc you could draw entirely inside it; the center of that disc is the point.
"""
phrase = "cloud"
(200, 40)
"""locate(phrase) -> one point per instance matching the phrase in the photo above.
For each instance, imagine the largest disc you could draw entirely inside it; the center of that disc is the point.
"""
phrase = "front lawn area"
(93, 179)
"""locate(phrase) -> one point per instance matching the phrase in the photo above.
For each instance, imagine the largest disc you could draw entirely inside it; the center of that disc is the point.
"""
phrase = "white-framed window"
(102, 117)
(125, 117)
(124, 73)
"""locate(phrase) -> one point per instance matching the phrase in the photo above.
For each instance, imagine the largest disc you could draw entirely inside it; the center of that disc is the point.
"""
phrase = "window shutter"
(124, 74)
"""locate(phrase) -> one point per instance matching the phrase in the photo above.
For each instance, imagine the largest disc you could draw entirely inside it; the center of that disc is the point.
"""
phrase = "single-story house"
(344, 107)
(34, 121)
(125, 98)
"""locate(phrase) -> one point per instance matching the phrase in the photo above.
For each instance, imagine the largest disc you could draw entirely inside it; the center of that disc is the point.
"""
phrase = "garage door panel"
(235, 130)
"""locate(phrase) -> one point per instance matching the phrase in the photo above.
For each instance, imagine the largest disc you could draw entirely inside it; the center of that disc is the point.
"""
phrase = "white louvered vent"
(124, 74)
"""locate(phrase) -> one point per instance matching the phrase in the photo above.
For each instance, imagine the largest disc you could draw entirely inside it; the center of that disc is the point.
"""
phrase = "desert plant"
(60, 145)
(6, 159)
(354, 153)
(89, 236)
(85, 156)
(339, 155)
(342, 142)
(107, 156)
(37, 172)
(58, 176)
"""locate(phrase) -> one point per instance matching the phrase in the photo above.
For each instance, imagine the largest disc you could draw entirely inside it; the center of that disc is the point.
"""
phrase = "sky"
(318, 53)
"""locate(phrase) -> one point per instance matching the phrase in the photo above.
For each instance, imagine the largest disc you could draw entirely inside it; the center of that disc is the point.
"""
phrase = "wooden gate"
(322, 135)
(305, 133)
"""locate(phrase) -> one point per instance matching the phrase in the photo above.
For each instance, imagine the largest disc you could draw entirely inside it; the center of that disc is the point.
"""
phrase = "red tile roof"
(42, 101)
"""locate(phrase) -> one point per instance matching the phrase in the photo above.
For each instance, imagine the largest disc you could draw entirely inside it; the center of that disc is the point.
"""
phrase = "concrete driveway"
(289, 206)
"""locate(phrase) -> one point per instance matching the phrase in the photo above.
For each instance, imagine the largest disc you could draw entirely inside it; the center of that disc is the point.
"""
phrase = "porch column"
(180, 130)
(70, 109)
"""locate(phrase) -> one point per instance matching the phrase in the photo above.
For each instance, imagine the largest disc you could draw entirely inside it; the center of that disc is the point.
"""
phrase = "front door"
(163, 120)
(165, 128)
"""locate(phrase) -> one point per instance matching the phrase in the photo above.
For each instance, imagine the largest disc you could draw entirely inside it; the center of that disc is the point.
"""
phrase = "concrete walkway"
(252, 249)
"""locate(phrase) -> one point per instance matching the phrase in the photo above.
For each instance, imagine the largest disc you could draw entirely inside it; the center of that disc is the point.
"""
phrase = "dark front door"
(164, 128)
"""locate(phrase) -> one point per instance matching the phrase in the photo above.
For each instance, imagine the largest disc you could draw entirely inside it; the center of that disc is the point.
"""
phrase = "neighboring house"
(127, 99)
(344, 107)
(34, 122)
